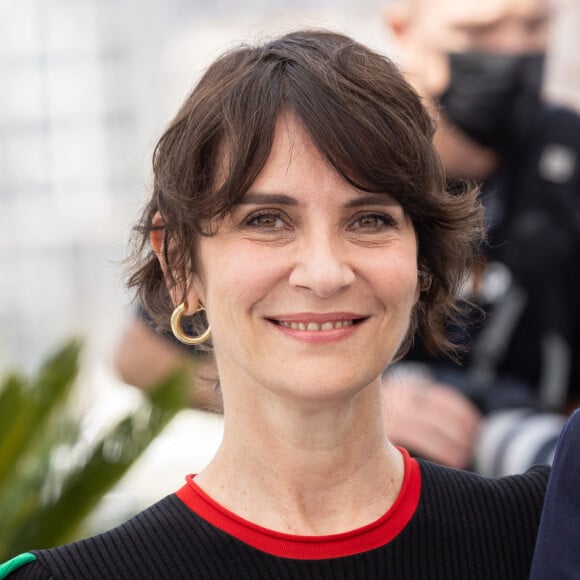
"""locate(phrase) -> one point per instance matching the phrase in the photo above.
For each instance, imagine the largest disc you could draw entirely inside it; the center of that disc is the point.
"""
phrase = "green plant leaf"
(57, 521)
(55, 379)
(26, 406)
(12, 423)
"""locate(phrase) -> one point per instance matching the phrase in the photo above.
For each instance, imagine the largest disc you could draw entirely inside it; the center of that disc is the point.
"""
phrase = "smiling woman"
(326, 276)
(299, 211)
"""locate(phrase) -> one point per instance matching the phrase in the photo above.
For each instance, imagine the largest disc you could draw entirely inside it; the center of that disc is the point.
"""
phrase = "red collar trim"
(369, 537)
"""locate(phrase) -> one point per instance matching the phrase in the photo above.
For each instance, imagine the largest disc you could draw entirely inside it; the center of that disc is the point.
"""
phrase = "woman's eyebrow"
(259, 198)
(372, 199)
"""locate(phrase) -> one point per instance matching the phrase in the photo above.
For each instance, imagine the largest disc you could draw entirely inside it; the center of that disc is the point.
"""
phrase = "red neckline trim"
(368, 537)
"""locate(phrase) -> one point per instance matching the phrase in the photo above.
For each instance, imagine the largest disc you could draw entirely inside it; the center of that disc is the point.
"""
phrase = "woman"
(299, 211)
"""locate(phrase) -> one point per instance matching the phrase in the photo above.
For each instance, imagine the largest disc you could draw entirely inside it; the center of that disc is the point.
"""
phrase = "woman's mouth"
(316, 326)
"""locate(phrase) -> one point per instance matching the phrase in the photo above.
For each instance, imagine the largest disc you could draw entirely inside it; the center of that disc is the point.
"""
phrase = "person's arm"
(557, 554)
(495, 428)
(143, 358)
(430, 419)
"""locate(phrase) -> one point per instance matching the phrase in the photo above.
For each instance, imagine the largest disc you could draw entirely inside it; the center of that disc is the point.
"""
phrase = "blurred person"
(300, 219)
(479, 67)
(557, 553)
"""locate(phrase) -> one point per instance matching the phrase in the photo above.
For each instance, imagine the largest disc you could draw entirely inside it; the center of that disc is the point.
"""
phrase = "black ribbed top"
(465, 527)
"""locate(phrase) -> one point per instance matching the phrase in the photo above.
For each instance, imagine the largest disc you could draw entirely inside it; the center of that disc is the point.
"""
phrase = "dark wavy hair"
(364, 118)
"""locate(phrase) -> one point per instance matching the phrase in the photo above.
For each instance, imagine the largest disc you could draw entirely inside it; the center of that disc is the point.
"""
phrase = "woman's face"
(309, 283)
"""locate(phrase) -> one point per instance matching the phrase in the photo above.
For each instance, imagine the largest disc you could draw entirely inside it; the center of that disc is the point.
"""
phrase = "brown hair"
(365, 119)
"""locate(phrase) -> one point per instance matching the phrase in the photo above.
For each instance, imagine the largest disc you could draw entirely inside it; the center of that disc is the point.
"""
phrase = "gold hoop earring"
(177, 330)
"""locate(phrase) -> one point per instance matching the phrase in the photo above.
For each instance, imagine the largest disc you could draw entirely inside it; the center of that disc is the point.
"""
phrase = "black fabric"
(557, 554)
(465, 527)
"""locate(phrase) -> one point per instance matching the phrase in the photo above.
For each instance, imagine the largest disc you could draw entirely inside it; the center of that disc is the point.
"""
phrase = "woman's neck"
(309, 473)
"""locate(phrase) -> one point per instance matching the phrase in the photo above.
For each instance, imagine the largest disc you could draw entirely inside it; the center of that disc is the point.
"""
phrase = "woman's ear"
(157, 240)
(177, 292)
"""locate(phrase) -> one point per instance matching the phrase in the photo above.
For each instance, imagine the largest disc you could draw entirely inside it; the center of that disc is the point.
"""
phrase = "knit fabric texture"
(464, 526)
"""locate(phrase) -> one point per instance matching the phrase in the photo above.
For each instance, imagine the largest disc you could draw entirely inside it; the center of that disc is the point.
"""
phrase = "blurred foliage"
(50, 478)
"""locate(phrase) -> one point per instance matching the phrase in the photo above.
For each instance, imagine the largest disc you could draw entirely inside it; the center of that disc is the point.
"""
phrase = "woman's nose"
(320, 265)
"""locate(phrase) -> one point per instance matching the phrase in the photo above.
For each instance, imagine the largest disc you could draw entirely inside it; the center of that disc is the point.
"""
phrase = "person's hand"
(431, 419)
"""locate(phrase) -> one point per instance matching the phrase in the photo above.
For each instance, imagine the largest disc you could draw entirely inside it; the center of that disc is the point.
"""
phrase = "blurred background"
(86, 87)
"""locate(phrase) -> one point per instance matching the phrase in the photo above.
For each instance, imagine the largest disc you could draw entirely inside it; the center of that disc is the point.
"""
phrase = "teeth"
(314, 326)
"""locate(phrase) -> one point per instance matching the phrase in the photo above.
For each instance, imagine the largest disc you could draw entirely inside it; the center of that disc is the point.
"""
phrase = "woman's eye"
(372, 221)
(265, 220)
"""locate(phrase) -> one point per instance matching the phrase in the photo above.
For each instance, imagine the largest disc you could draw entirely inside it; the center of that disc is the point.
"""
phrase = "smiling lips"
(310, 326)
(333, 326)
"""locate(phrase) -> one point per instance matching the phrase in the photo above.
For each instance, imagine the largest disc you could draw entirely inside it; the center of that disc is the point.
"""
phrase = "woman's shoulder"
(131, 550)
(492, 522)
(535, 477)
(522, 493)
